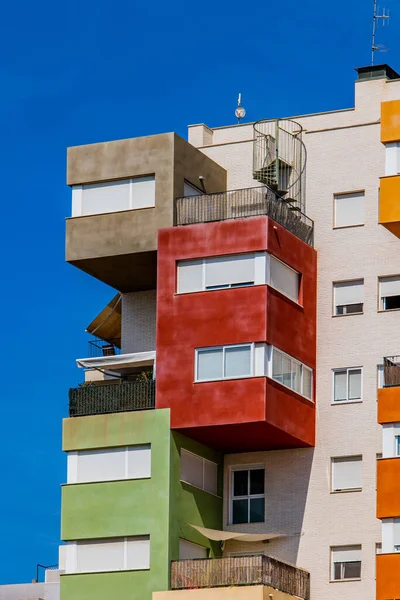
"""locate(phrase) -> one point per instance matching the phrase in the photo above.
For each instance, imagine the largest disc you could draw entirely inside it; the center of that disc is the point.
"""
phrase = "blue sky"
(85, 71)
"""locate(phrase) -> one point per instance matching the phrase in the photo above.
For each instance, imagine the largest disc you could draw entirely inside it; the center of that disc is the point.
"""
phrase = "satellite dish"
(240, 111)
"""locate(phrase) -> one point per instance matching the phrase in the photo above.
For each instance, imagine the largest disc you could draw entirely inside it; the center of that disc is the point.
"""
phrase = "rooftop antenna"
(378, 47)
(240, 111)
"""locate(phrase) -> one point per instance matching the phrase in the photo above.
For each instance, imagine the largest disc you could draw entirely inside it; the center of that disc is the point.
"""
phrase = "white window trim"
(71, 555)
(332, 579)
(344, 490)
(204, 460)
(347, 401)
(233, 469)
(338, 195)
(261, 273)
(223, 348)
(72, 464)
(334, 305)
(382, 298)
(302, 365)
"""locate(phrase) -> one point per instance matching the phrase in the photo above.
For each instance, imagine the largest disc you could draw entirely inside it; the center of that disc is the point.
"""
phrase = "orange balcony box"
(387, 576)
(388, 489)
(389, 205)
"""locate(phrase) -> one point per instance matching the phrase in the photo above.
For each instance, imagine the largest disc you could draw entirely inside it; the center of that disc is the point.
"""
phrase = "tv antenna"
(240, 111)
(383, 16)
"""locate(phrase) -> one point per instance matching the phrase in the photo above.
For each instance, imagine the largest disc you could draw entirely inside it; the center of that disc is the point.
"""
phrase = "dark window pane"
(340, 310)
(352, 570)
(257, 481)
(240, 511)
(354, 308)
(392, 302)
(337, 571)
(240, 483)
(257, 510)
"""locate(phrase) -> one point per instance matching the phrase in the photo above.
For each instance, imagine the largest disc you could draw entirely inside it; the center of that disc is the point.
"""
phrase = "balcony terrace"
(389, 394)
(240, 571)
(91, 399)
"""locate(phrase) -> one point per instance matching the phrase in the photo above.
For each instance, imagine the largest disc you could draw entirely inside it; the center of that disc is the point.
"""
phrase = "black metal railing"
(391, 371)
(240, 570)
(99, 347)
(237, 204)
(91, 399)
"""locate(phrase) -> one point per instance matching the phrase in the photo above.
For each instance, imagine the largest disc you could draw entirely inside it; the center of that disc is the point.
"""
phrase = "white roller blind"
(101, 465)
(392, 158)
(284, 279)
(396, 532)
(210, 477)
(340, 385)
(143, 192)
(226, 270)
(346, 473)
(191, 468)
(190, 276)
(209, 364)
(307, 382)
(110, 196)
(138, 553)
(354, 384)
(100, 555)
(187, 550)
(237, 361)
(390, 286)
(349, 292)
(346, 553)
(138, 462)
(349, 209)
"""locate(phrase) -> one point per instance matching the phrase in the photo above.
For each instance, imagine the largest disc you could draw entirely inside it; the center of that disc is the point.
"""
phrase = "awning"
(118, 362)
(223, 536)
(107, 324)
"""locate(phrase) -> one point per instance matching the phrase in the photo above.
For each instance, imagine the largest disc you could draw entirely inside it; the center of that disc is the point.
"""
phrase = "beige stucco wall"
(250, 592)
(344, 154)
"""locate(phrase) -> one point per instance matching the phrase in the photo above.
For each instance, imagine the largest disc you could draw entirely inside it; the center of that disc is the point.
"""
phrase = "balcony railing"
(101, 399)
(237, 204)
(99, 347)
(391, 371)
(243, 570)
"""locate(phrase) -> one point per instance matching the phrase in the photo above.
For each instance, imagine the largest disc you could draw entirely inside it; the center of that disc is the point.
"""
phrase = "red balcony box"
(238, 414)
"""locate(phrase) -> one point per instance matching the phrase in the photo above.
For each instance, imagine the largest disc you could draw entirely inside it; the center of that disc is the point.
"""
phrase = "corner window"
(392, 158)
(349, 209)
(224, 362)
(346, 473)
(345, 563)
(111, 554)
(109, 464)
(347, 384)
(284, 279)
(291, 373)
(247, 496)
(348, 297)
(199, 472)
(389, 293)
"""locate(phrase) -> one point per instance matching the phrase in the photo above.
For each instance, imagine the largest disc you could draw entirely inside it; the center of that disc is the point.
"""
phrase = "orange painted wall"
(232, 316)
(388, 488)
(390, 121)
(389, 405)
(389, 203)
(387, 576)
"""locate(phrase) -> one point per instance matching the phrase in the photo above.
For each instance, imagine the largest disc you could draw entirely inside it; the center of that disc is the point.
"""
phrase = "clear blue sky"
(81, 71)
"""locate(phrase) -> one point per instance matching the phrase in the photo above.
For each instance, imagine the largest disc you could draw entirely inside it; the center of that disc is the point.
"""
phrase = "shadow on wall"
(287, 477)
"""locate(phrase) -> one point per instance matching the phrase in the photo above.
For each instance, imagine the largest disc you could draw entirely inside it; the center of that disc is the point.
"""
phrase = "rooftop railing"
(237, 204)
(243, 570)
(91, 399)
(391, 371)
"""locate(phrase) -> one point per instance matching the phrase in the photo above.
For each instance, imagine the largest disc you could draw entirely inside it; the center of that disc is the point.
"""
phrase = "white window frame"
(223, 348)
(347, 370)
(392, 158)
(71, 554)
(204, 460)
(344, 562)
(348, 194)
(271, 350)
(344, 490)
(335, 306)
(382, 299)
(249, 496)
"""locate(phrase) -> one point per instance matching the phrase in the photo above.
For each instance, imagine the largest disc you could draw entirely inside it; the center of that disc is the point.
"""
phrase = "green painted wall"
(161, 506)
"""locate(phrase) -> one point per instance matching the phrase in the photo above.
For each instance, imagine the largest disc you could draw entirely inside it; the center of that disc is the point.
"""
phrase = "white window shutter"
(347, 473)
(190, 276)
(209, 364)
(284, 279)
(346, 553)
(104, 464)
(143, 192)
(138, 553)
(210, 476)
(349, 209)
(191, 468)
(110, 196)
(349, 292)
(227, 270)
(187, 550)
(139, 462)
(390, 286)
(100, 555)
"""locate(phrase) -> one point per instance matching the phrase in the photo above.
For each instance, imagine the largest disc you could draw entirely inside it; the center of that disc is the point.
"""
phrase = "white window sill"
(111, 571)
(199, 488)
(228, 378)
(348, 226)
(355, 314)
(105, 481)
(344, 580)
(341, 402)
(388, 310)
(349, 491)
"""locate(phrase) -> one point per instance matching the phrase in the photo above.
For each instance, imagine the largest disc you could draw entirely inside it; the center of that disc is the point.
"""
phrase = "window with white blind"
(247, 495)
(391, 440)
(109, 464)
(224, 362)
(111, 554)
(392, 158)
(348, 297)
(346, 473)
(199, 472)
(237, 270)
(347, 384)
(390, 535)
(291, 373)
(113, 196)
(188, 550)
(284, 279)
(345, 562)
(349, 209)
(389, 292)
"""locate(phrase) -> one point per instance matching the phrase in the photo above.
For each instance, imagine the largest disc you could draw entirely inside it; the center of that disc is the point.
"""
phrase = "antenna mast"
(375, 18)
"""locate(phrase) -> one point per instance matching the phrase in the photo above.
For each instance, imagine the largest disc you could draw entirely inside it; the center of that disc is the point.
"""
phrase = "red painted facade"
(240, 414)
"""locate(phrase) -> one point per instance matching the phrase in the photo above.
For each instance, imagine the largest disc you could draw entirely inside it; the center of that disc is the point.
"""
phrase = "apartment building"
(237, 433)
